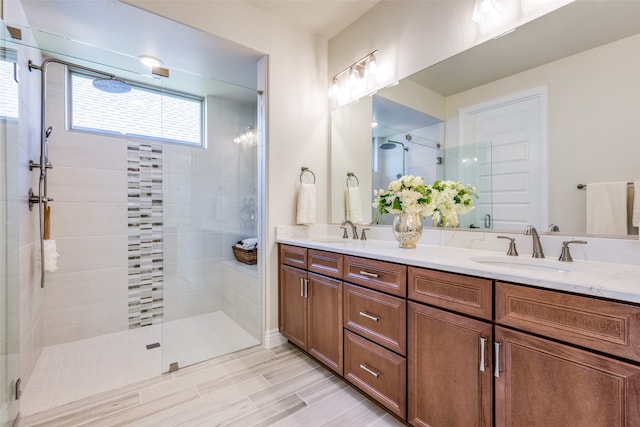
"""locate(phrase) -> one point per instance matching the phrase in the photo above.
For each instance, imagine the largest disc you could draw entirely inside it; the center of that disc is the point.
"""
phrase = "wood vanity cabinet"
(551, 382)
(310, 304)
(449, 353)
(444, 349)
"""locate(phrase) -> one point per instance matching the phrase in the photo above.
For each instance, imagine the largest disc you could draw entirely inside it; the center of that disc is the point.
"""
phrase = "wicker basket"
(246, 256)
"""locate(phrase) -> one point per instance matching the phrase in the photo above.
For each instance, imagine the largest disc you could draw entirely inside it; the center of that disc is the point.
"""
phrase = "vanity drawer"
(605, 326)
(379, 275)
(464, 294)
(376, 316)
(326, 263)
(377, 371)
(294, 256)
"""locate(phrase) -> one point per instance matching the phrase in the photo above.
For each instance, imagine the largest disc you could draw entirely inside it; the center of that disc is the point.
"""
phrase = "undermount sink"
(329, 240)
(525, 263)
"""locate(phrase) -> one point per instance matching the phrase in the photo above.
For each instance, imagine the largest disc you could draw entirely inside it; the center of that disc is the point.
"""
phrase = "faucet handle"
(344, 233)
(363, 236)
(565, 255)
(512, 245)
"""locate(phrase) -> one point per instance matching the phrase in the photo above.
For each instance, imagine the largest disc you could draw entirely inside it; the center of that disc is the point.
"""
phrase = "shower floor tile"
(68, 372)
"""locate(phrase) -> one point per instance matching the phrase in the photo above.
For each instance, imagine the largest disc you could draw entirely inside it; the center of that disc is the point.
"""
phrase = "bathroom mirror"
(589, 85)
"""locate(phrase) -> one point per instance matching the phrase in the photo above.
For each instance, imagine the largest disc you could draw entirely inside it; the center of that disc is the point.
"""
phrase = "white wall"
(297, 121)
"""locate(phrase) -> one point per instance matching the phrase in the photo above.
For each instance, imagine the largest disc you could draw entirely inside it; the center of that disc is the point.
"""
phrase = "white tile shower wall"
(87, 296)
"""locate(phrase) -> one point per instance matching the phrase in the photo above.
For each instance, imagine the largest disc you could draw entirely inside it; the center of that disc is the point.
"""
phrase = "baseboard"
(273, 338)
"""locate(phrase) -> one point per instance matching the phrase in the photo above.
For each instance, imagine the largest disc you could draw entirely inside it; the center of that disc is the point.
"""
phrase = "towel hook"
(304, 169)
(352, 175)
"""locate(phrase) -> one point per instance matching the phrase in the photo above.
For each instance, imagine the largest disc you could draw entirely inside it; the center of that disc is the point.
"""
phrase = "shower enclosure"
(146, 281)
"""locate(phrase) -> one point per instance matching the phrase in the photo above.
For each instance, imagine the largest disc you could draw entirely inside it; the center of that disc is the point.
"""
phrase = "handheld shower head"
(48, 132)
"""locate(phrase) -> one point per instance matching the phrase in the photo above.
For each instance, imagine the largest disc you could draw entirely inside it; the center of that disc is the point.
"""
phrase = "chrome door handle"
(365, 368)
(369, 316)
(496, 361)
(483, 342)
(366, 273)
(306, 288)
(301, 287)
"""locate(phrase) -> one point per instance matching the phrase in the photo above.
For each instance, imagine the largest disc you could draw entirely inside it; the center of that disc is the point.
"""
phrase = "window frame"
(142, 87)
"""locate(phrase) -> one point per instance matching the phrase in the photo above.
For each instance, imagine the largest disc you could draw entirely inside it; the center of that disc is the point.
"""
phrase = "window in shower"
(144, 112)
(8, 87)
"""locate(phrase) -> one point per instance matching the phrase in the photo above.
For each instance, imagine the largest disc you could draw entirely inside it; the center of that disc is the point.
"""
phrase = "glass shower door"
(211, 302)
(9, 348)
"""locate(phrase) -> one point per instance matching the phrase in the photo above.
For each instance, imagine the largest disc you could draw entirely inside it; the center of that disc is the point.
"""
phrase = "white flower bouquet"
(407, 194)
(442, 200)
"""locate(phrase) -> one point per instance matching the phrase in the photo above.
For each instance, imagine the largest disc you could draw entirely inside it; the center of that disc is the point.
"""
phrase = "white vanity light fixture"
(486, 10)
(354, 79)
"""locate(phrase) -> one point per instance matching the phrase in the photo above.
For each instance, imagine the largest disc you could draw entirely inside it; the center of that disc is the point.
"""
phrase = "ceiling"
(111, 35)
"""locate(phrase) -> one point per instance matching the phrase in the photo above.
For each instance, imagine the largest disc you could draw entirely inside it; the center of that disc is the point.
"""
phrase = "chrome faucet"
(537, 246)
(354, 230)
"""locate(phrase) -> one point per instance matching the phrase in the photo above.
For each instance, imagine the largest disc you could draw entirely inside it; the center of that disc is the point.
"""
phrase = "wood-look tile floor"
(253, 387)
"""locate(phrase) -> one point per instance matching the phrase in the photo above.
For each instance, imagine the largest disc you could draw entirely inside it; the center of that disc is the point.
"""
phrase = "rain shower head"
(390, 145)
(48, 132)
(111, 85)
(387, 146)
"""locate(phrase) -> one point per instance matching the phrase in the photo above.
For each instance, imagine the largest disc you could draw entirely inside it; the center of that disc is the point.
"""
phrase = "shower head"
(48, 131)
(111, 85)
(387, 146)
(390, 145)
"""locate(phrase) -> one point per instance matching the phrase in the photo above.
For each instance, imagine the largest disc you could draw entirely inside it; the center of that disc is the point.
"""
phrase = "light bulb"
(354, 77)
(371, 67)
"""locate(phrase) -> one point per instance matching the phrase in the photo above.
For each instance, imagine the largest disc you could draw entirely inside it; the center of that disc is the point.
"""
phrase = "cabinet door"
(545, 383)
(293, 305)
(325, 320)
(449, 369)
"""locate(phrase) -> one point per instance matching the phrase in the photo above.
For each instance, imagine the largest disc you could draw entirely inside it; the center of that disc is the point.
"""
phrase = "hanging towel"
(635, 221)
(306, 204)
(607, 207)
(354, 205)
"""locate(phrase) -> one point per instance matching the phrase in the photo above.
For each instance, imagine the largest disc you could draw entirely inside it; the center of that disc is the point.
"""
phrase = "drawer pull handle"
(365, 368)
(483, 342)
(366, 273)
(496, 370)
(369, 316)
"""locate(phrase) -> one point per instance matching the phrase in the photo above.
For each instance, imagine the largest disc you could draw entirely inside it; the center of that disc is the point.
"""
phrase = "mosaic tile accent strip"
(144, 182)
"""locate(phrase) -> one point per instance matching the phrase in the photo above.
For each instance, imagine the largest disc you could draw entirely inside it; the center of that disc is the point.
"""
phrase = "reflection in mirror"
(588, 130)
(404, 142)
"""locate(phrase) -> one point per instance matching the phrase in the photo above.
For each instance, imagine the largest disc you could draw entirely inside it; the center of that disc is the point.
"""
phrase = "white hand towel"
(306, 204)
(50, 256)
(354, 204)
(607, 207)
(636, 204)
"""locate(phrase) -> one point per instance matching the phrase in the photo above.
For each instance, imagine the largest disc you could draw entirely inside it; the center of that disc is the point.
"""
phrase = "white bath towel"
(353, 204)
(306, 211)
(635, 220)
(607, 207)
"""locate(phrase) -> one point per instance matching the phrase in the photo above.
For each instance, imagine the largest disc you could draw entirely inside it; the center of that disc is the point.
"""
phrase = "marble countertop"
(601, 279)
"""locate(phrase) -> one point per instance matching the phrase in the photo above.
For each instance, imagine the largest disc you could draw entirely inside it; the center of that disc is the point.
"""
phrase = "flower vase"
(407, 229)
(451, 221)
